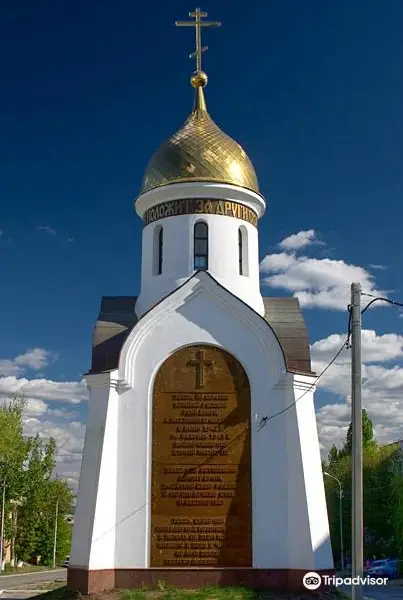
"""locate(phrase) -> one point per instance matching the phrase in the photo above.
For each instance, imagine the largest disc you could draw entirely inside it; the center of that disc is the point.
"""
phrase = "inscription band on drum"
(194, 206)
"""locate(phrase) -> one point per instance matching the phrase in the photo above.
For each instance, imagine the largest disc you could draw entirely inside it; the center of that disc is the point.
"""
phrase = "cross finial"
(198, 24)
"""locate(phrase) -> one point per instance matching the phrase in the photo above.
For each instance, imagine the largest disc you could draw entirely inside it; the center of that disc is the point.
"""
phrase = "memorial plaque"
(201, 513)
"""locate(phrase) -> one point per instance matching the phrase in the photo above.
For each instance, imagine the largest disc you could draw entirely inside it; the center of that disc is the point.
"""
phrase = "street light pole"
(340, 518)
(55, 538)
(356, 421)
(3, 507)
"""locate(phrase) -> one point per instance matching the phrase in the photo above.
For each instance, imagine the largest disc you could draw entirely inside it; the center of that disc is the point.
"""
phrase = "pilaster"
(93, 537)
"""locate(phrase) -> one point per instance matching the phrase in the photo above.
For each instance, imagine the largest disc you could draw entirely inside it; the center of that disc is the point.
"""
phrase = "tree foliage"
(32, 493)
(382, 495)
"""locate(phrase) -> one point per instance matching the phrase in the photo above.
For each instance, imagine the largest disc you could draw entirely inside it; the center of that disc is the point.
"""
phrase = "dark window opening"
(240, 251)
(160, 245)
(200, 246)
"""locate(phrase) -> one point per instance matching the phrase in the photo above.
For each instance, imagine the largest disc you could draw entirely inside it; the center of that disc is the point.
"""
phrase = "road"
(8, 582)
(17, 595)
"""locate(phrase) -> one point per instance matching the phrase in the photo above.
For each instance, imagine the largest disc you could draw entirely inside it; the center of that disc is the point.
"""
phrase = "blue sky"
(313, 91)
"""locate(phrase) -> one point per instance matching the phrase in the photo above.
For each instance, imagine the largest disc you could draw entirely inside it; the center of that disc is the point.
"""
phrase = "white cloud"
(382, 390)
(35, 359)
(320, 283)
(69, 437)
(35, 407)
(299, 240)
(379, 267)
(375, 348)
(47, 229)
(64, 427)
(44, 389)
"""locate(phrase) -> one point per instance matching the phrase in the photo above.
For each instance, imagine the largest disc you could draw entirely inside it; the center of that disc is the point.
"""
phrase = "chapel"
(201, 459)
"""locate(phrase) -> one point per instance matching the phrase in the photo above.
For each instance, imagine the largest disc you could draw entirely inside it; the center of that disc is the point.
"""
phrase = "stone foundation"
(88, 582)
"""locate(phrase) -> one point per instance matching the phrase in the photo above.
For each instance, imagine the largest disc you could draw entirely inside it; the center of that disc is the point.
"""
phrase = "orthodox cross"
(200, 362)
(198, 24)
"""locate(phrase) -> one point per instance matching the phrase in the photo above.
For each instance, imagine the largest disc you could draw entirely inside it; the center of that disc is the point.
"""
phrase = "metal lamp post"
(16, 504)
(340, 517)
(3, 507)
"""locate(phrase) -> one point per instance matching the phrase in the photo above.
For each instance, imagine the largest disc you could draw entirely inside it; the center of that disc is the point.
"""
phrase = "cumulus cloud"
(299, 240)
(64, 426)
(69, 437)
(34, 359)
(73, 392)
(382, 390)
(375, 348)
(320, 283)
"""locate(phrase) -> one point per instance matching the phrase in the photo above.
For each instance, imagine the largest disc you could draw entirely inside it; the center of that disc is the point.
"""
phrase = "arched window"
(158, 248)
(243, 251)
(200, 245)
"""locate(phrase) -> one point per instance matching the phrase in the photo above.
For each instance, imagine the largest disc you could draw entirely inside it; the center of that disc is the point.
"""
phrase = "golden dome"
(200, 151)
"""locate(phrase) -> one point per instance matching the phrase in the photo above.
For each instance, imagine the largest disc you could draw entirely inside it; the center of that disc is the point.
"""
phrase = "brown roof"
(285, 317)
(117, 318)
(115, 321)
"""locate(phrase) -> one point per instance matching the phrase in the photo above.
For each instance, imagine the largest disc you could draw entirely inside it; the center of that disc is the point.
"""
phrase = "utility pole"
(55, 539)
(340, 517)
(3, 507)
(356, 420)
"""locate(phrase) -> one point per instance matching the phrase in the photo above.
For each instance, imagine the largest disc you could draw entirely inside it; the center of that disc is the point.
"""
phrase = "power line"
(379, 299)
(265, 420)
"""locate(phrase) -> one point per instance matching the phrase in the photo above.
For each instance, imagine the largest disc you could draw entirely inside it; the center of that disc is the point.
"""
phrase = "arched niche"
(201, 505)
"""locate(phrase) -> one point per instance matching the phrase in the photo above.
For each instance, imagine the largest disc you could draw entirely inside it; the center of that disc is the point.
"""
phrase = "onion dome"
(200, 151)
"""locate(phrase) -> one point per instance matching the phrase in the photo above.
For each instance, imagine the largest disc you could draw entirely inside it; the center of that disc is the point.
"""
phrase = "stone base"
(88, 582)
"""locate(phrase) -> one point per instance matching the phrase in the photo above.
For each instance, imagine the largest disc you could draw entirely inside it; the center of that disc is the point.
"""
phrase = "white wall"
(177, 264)
(290, 527)
(178, 245)
(94, 523)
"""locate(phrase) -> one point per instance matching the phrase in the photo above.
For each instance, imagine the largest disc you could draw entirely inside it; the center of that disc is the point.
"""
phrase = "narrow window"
(200, 245)
(243, 260)
(158, 249)
(240, 251)
(160, 245)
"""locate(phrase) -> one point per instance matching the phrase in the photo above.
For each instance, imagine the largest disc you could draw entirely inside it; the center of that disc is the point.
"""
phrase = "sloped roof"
(117, 318)
(285, 317)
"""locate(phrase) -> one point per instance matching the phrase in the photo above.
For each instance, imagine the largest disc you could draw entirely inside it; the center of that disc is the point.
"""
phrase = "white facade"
(290, 524)
(178, 244)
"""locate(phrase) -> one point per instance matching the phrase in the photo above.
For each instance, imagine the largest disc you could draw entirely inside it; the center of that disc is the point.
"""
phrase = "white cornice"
(106, 380)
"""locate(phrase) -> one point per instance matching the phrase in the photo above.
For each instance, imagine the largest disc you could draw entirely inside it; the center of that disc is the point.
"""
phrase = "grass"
(165, 592)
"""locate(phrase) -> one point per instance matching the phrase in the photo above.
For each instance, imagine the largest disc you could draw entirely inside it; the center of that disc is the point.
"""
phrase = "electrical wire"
(379, 299)
(265, 420)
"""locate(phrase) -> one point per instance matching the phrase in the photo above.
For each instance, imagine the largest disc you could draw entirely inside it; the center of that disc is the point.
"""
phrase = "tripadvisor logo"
(312, 580)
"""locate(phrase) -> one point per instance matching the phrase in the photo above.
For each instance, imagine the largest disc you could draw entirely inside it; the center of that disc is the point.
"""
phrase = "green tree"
(367, 435)
(333, 455)
(13, 454)
(397, 485)
(59, 501)
(380, 465)
(38, 472)
(32, 493)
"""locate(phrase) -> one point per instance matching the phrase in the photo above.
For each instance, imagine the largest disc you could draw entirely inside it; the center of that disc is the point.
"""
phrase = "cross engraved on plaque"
(200, 362)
